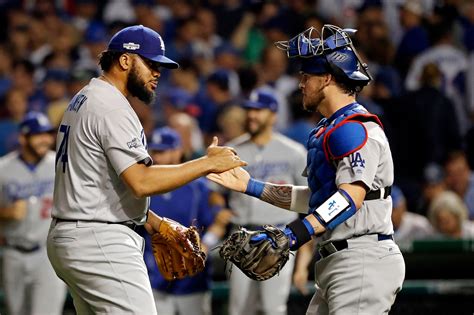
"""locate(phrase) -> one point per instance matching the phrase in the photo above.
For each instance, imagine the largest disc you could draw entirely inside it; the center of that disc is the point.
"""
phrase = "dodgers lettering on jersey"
(100, 136)
(76, 103)
(19, 181)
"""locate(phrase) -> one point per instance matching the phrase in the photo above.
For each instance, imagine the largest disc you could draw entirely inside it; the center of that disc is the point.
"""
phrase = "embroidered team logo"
(357, 162)
(131, 46)
(135, 143)
(162, 44)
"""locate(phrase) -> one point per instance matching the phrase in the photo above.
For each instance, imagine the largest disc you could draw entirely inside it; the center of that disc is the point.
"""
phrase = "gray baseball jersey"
(279, 162)
(341, 288)
(100, 136)
(373, 166)
(30, 284)
(34, 184)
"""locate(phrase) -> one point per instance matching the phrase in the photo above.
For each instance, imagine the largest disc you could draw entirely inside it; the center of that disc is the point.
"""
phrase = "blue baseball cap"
(260, 99)
(177, 97)
(164, 139)
(56, 75)
(144, 41)
(96, 33)
(34, 123)
(397, 196)
(221, 78)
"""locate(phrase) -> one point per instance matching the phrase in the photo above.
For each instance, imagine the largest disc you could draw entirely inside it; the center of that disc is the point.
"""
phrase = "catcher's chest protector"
(321, 168)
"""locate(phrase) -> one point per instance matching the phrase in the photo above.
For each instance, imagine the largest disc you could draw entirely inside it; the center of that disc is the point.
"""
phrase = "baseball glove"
(259, 260)
(177, 250)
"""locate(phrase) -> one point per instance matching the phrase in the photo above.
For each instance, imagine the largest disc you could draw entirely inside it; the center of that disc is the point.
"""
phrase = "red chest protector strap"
(347, 135)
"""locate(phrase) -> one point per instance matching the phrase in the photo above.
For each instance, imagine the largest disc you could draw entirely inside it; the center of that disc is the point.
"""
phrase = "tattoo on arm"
(277, 195)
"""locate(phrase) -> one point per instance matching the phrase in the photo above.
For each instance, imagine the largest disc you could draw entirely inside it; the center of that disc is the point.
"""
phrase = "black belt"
(24, 249)
(129, 224)
(335, 246)
(381, 193)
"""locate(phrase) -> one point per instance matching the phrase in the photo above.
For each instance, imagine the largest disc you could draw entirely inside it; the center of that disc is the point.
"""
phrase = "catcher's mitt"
(177, 250)
(259, 260)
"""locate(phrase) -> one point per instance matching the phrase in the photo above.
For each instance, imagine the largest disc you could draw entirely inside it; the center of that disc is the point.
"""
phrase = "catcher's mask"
(330, 51)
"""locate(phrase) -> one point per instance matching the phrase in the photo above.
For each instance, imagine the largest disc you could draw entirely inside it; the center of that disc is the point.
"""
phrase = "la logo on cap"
(131, 46)
(162, 43)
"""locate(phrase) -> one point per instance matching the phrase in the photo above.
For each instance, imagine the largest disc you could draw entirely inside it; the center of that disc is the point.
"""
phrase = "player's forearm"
(158, 179)
(289, 197)
(304, 256)
(277, 195)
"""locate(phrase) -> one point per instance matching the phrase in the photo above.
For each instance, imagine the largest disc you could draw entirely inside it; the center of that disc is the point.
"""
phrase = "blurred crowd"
(419, 52)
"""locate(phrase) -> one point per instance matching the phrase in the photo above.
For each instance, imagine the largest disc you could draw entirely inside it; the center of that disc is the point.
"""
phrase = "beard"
(38, 151)
(256, 127)
(311, 105)
(137, 88)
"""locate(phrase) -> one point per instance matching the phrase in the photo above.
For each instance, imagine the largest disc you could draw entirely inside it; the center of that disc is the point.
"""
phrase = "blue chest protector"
(331, 140)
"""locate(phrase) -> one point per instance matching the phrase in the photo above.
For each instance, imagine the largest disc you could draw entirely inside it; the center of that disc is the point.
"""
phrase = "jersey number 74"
(61, 154)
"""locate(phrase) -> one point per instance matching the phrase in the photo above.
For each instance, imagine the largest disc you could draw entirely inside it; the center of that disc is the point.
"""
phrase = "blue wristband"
(308, 226)
(291, 237)
(254, 188)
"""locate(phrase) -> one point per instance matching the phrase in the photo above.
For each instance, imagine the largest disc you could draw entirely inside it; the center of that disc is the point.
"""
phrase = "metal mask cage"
(312, 43)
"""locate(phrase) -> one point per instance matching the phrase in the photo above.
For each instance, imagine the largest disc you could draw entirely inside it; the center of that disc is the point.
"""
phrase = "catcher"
(347, 200)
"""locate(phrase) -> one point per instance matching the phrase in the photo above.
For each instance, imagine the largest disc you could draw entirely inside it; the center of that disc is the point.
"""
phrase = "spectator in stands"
(6, 65)
(22, 78)
(181, 47)
(408, 226)
(218, 96)
(433, 185)
(16, 104)
(79, 79)
(94, 42)
(448, 215)
(231, 123)
(191, 135)
(272, 73)
(174, 100)
(229, 58)
(415, 37)
(452, 64)
(460, 179)
(208, 40)
(56, 96)
(424, 142)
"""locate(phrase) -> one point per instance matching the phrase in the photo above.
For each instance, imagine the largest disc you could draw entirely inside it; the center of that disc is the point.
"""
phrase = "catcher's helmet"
(34, 123)
(330, 51)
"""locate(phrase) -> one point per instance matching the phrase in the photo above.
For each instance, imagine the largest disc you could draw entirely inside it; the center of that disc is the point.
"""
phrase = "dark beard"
(260, 128)
(31, 150)
(137, 88)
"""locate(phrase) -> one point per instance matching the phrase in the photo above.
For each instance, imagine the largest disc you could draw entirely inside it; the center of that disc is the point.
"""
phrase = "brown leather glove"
(177, 250)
